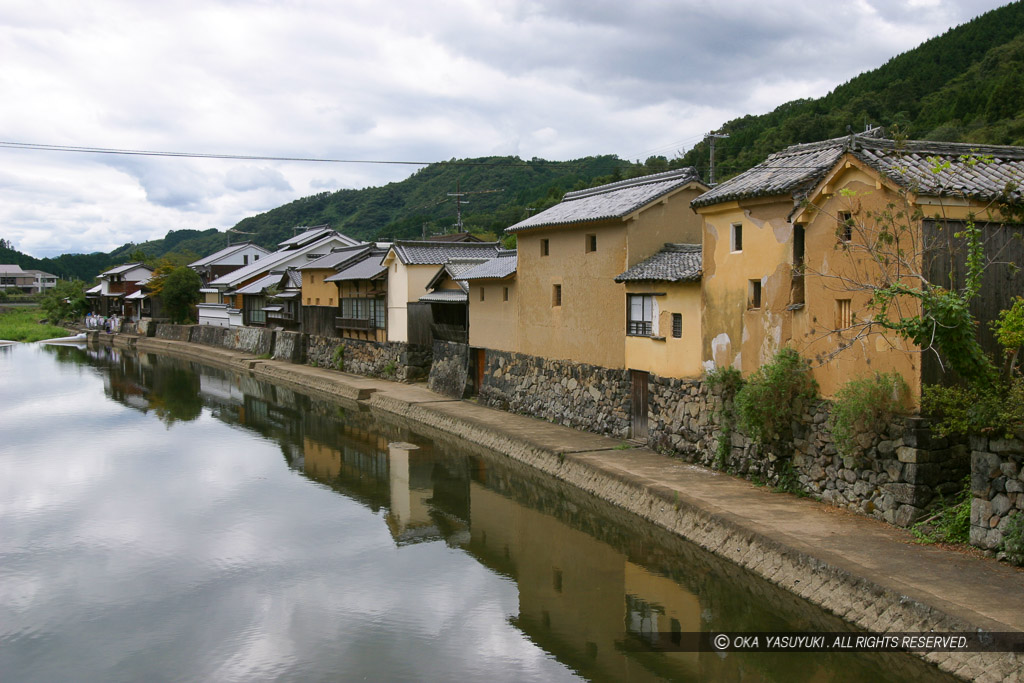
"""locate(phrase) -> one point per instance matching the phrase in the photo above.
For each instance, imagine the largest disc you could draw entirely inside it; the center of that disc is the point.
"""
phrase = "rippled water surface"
(162, 521)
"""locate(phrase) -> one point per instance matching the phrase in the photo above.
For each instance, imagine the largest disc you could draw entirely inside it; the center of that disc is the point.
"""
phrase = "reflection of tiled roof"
(419, 253)
(674, 263)
(499, 267)
(614, 200)
(445, 296)
(796, 169)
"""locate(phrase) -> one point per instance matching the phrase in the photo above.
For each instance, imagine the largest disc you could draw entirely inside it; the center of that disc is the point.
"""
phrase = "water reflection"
(592, 581)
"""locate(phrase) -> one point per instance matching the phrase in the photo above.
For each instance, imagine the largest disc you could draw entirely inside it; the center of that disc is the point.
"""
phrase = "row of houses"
(658, 275)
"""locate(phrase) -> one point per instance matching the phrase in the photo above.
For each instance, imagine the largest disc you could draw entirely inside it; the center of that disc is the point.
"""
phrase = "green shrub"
(765, 403)
(1013, 539)
(339, 357)
(951, 523)
(866, 404)
(996, 409)
(726, 382)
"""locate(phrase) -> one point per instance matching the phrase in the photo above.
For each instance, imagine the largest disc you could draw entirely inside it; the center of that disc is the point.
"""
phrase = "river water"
(165, 521)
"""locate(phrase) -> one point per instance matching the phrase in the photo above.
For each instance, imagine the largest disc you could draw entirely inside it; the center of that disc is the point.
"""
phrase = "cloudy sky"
(377, 80)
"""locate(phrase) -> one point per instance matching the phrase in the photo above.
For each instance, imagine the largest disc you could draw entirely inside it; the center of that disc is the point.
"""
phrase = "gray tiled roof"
(117, 270)
(258, 286)
(614, 200)
(795, 170)
(337, 256)
(226, 251)
(501, 266)
(422, 253)
(367, 269)
(454, 270)
(674, 263)
(445, 296)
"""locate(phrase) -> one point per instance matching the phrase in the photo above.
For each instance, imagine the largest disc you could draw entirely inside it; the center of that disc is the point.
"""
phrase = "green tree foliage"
(178, 289)
(765, 403)
(65, 301)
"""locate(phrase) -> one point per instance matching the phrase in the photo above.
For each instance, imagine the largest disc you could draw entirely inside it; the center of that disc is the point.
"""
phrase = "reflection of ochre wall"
(573, 587)
(410, 505)
(494, 322)
(668, 356)
(321, 462)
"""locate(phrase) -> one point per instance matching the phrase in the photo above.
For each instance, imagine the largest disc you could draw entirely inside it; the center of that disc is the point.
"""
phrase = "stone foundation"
(997, 488)
(449, 373)
(389, 360)
(586, 397)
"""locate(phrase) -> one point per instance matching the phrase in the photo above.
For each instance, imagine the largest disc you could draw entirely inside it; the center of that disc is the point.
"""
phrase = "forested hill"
(963, 86)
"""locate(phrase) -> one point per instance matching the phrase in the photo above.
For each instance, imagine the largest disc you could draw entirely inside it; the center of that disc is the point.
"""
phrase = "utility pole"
(459, 201)
(712, 136)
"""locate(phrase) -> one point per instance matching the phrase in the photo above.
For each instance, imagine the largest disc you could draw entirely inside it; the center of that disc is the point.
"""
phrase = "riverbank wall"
(867, 573)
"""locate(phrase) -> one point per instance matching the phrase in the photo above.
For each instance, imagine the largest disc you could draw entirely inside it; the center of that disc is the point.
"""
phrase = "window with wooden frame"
(844, 314)
(736, 237)
(545, 247)
(590, 243)
(754, 294)
(677, 325)
(640, 315)
(556, 295)
(844, 231)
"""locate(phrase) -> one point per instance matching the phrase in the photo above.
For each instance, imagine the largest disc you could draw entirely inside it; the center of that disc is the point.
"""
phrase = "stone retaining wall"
(997, 488)
(390, 360)
(290, 346)
(209, 335)
(576, 395)
(173, 332)
(449, 372)
(895, 475)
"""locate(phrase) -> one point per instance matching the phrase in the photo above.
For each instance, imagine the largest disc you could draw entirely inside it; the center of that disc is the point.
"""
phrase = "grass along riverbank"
(23, 324)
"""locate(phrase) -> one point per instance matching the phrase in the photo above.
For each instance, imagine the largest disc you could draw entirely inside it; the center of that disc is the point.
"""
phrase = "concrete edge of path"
(667, 493)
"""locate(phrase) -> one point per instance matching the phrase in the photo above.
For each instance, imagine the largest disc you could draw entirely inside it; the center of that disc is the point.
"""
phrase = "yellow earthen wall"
(494, 322)
(668, 356)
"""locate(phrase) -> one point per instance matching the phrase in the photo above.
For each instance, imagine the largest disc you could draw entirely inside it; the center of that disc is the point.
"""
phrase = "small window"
(556, 295)
(556, 580)
(311, 278)
(481, 294)
(318, 301)
(330, 301)
(677, 325)
(754, 294)
(545, 247)
(255, 257)
(245, 259)
(591, 243)
(504, 293)
(640, 315)
(309, 301)
(737, 237)
(845, 229)
(844, 314)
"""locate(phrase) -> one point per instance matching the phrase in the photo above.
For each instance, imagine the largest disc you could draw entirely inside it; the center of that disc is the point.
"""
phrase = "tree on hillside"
(66, 301)
(178, 289)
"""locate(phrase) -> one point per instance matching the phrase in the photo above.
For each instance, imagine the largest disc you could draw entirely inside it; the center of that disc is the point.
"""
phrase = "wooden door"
(639, 405)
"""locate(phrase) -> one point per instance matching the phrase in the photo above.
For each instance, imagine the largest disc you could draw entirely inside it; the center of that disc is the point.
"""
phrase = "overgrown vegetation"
(726, 382)
(26, 325)
(951, 522)
(338, 358)
(866, 404)
(65, 302)
(1013, 540)
(765, 403)
(178, 289)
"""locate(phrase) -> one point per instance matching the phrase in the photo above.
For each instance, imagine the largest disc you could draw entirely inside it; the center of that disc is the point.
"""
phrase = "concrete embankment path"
(863, 570)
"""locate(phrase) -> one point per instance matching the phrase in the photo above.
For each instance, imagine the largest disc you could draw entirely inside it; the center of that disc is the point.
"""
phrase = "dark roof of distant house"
(614, 200)
(257, 286)
(117, 270)
(455, 270)
(226, 251)
(674, 263)
(365, 266)
(501, 266)
(337, 256)
(455, 237)
(419, 253)
(307, 235)
(445, 296)
(975, 171)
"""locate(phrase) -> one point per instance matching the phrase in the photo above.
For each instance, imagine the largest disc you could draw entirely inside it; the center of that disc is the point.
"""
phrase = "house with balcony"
(13, 278)
(115, 285)
(362, 288)
(321, 300)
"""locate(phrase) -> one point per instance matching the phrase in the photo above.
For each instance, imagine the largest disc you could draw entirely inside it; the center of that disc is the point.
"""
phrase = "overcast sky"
(373, 80)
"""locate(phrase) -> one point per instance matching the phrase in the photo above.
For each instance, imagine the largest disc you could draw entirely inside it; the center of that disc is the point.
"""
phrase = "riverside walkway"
(863, 570)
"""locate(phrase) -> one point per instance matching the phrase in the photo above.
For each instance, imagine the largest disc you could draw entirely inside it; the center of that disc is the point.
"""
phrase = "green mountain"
(963, 86)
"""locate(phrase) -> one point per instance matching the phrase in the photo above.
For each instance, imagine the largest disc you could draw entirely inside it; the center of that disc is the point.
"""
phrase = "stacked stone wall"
(290, 346)
(209, 335)
(583, 396)
(173, 332)
(449, 373)
(389, 360)
(256, 340)
(997, 488)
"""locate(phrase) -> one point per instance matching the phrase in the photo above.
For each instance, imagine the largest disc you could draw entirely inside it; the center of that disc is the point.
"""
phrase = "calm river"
(163, 521)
